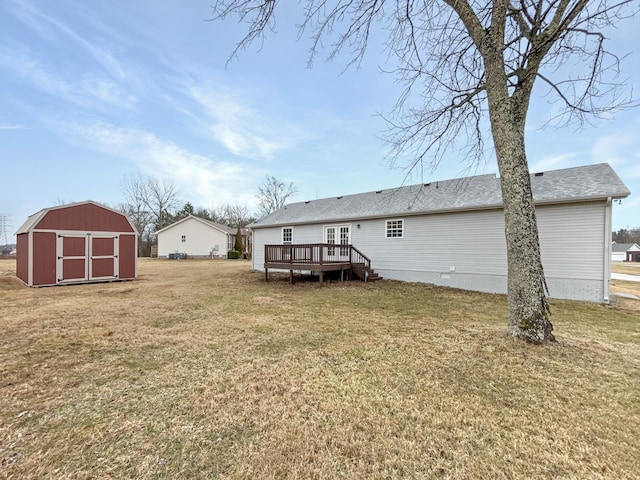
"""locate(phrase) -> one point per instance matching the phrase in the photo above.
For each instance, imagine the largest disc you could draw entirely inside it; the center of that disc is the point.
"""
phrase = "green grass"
(200, 369)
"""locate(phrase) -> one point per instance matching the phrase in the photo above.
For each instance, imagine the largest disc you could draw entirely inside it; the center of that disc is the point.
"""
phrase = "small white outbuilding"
(197, 237)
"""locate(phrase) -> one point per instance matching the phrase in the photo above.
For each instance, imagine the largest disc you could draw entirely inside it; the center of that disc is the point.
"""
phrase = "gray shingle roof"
(218, 226)
(469, 193)
(623, 247)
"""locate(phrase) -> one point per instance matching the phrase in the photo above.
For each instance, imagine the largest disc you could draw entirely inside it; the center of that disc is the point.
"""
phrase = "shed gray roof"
(470, 193)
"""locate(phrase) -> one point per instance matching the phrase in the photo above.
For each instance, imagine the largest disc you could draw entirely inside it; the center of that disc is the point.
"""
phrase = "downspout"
(607, 249)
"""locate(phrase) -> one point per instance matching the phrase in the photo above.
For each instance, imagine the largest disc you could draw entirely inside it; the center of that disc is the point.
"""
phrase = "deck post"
(266, 274)
(291, 277)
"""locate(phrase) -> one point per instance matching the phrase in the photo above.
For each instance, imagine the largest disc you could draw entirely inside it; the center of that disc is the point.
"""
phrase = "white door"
(72, 253)
(86, 257)
(103, 255)
(337, 235)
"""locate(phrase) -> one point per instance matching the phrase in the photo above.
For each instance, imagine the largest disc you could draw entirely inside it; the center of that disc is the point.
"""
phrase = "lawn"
(201, 369)
(630, 268)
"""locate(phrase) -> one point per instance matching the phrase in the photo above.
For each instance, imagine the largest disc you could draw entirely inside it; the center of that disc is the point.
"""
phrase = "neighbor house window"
(184, 238)
(395, 228)
(287, 235)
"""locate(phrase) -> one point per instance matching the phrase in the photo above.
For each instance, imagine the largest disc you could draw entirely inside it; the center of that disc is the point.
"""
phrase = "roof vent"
(339, 197)
(308, 201)
(378, 191)
(427, 184)
(539, 174)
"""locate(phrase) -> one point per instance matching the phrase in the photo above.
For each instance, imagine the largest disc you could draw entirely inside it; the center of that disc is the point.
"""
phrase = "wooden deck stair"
(320, 258)
(360, 270)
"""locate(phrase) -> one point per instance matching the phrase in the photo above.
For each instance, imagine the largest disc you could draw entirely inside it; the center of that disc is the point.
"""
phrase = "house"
(198, 237)
(451, 232)
(625, 252)
(76, 243)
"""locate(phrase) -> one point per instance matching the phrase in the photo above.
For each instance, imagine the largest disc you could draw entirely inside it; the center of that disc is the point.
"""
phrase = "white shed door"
(72, 253)
(86, 257)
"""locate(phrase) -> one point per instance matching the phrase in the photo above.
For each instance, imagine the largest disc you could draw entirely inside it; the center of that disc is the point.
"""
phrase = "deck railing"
(299, 255)
(360, 262)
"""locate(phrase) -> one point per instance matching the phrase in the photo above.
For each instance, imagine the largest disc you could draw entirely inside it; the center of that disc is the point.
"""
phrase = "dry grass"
(200, 369)
(630, 268)
(622, 286)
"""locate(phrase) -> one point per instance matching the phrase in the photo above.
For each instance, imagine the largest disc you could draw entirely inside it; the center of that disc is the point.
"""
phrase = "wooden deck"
(318, 258)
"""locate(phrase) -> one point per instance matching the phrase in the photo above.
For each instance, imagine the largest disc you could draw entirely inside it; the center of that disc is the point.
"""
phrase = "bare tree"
(143, 222)
(162, 200)
(231, 215)
(461, 60)
(149, 203)
(273, 194)
(135, 207)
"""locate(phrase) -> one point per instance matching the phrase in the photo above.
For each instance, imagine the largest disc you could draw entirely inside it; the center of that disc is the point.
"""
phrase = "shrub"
(233, 254)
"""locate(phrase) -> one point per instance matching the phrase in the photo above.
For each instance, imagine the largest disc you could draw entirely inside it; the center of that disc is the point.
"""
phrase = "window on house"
(287, 235)
(395, 228)
(184, 238)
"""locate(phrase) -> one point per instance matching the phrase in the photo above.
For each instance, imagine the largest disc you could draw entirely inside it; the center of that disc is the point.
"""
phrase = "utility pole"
(5, 226)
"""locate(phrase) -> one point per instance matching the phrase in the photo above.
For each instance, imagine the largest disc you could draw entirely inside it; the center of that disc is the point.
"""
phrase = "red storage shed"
(77, 243)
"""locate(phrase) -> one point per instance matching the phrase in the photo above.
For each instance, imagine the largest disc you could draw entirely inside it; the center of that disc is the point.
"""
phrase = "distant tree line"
(152, 204)
(627, 235)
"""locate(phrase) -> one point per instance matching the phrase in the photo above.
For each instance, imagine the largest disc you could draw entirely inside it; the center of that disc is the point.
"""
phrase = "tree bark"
(529, 315)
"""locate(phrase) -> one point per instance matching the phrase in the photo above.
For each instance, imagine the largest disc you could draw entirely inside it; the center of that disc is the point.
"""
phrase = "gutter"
(607, 250)
(409, 213)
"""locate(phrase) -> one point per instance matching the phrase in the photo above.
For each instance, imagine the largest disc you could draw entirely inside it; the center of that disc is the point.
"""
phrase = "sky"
(93, 93)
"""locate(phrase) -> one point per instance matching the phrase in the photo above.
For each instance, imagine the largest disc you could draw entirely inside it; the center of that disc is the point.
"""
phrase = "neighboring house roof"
(209, 223)
(471, 193)
(33, 220)
(624, 247)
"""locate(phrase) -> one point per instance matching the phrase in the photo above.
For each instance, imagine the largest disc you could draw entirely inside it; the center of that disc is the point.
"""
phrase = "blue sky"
(93, 92)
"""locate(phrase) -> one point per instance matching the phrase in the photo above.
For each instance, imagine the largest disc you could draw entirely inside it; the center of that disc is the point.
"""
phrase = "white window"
(184, 238)
(287, 235)
(394, 228)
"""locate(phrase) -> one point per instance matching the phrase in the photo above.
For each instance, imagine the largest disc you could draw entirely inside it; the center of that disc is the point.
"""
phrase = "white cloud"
(553, 162)
(49, 26)
(240, 128)
(202, 179)
(615, 148)
(87, 90)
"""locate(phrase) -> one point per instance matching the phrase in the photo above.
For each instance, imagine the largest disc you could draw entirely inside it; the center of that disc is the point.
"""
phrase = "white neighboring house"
(451, 232)
(625, 252)
(197, 237)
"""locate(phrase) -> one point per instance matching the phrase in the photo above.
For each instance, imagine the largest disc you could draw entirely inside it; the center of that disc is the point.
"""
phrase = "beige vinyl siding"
(199, 239)
(468, 249)
(471, 242)
(572, 240)
(273, 236)
(262, 237)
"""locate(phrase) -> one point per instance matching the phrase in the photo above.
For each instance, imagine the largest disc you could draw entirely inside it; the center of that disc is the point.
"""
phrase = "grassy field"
(200, 369)
(630, 268)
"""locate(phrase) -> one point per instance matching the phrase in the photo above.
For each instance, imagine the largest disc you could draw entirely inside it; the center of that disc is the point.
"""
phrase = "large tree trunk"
(508, 105)
(528, 307)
